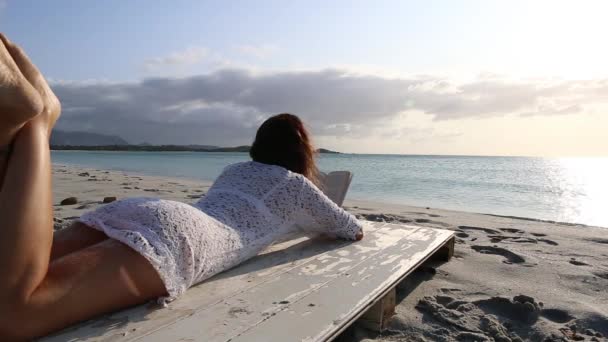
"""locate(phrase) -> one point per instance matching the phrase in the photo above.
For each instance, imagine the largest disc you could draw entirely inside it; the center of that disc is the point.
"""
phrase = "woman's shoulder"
(233, 166)
(253, 167)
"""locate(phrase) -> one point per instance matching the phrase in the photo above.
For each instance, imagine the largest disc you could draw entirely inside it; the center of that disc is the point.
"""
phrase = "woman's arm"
(330, 217)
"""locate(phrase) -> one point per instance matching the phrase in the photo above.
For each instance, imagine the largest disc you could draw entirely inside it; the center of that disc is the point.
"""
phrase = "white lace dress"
(248, 207)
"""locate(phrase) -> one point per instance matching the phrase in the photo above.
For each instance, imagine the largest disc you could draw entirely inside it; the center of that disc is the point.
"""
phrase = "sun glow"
(584, 189)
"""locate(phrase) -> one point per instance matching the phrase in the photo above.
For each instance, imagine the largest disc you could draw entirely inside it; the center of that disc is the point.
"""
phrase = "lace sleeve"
(330, 217)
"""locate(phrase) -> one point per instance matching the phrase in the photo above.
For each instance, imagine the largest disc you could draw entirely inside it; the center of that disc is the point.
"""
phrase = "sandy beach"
(510, 279)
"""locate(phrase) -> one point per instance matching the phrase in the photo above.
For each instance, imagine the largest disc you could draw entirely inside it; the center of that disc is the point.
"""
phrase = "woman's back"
(253, 199)
(258, 200)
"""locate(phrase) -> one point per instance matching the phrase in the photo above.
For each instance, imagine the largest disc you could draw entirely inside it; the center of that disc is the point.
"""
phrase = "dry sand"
(510, 279)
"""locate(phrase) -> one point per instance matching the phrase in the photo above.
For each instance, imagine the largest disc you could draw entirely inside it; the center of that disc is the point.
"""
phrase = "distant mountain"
(324, 150)
(64, 138)
(243, 148)
(149, 148)
(158, 148)
(205, 147)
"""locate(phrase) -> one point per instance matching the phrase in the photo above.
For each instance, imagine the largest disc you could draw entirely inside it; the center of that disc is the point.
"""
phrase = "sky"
(408, 77)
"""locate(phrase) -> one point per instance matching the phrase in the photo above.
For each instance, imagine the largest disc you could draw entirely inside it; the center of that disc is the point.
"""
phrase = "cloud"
(257, 51)
(225, 107)
(191, 55)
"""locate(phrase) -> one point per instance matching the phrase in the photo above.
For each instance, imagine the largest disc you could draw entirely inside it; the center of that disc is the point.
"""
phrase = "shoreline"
(349, 197)
(510, 279)
(385, 154)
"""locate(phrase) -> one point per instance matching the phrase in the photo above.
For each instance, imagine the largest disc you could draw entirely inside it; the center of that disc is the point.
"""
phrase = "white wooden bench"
(298, 290)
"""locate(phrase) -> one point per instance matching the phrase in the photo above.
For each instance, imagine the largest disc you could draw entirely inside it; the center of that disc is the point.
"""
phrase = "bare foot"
(50, 108)
(19, 100)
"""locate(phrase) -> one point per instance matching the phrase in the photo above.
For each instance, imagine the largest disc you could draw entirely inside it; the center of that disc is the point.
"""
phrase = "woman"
(134, 250)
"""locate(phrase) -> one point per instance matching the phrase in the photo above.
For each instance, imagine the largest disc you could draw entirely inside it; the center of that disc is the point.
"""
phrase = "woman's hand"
(41, 104)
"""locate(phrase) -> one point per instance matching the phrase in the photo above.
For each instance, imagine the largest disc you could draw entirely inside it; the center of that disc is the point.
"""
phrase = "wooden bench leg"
(377, 317)
(446, 251)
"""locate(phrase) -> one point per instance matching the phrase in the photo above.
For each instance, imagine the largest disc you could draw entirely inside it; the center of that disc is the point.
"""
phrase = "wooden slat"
(377, 317)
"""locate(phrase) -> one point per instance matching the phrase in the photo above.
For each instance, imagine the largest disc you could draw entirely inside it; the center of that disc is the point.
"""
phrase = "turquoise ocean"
(573, 190)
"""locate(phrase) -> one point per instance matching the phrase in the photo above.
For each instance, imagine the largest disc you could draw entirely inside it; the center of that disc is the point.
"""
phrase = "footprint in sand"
(462, 235)
(496, 236)
(449, 289)
(549, 242)
(431, 222)
(512, 230)
(485, 230)
(578, 263)
(522, 308)
(598, 240)
(511, 258)
(482, 320)
(556, 315)
(517, 239)
(520, 239)
(603, 275)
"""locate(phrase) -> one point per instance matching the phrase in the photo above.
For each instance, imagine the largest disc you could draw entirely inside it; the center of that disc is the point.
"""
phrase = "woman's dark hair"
(283, 140)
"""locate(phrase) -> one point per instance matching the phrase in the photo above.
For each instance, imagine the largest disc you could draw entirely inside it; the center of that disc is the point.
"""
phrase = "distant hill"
(64, 138)
(158, 148)
(210, 147)
(85, 141)
(323, 150)
(149, 148)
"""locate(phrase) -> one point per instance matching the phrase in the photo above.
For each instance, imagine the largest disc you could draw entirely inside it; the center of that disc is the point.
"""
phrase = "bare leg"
(24, 93)
(73, 238)
(28, 85)
(38, 296)
(26, 209)
(19, 100)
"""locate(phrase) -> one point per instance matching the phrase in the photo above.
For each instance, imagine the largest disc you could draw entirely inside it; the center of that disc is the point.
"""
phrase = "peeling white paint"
(343, 253)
